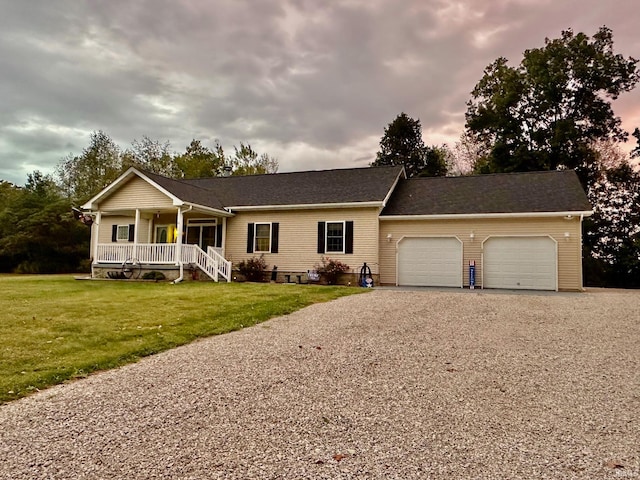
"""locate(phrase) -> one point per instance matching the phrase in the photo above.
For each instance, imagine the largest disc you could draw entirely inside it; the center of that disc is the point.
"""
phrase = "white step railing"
(223, 265)
(210, 262)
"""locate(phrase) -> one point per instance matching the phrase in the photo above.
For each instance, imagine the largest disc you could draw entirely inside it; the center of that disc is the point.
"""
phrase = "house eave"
(221, 213)
(305, 206)
(473, 216)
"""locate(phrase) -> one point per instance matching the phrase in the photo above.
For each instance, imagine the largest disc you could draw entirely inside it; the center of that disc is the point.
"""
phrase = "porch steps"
(212, 263)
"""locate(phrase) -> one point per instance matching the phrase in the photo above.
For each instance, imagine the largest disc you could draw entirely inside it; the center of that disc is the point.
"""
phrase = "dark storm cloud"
(313, 83)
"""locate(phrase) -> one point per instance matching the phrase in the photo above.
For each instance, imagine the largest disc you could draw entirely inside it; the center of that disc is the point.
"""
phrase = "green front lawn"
(55, 328)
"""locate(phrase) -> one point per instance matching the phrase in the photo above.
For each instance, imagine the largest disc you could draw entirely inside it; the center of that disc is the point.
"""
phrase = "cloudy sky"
(310, 82)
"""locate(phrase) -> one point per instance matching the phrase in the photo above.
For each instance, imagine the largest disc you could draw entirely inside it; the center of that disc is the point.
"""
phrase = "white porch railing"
(114, 253)
(211, 262)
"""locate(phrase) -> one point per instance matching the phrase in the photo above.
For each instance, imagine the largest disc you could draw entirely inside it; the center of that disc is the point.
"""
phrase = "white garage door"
(520, 263)
(430, 262)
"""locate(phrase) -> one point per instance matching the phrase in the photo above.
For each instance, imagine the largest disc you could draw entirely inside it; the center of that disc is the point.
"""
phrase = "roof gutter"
(470, 216)
(222, 213)
(304, 206)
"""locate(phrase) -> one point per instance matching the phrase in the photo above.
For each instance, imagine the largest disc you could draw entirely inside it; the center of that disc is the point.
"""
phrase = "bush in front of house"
(332, 269)
(153, 275)
(253, 269)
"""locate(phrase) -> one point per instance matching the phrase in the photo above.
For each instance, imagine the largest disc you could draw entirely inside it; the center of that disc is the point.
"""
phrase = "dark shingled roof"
(351, 185)
(551, 191)
(187, 192)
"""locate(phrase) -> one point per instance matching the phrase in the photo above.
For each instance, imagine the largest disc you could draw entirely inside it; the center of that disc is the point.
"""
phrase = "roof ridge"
(183, 181)
(495, 174)
(305, 171)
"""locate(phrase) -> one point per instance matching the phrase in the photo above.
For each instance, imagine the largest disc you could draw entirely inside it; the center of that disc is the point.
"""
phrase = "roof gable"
(531, 192)
(120, 182)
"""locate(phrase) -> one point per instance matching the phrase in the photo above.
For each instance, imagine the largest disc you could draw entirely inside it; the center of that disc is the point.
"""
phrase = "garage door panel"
(432, 261)
(520, 263)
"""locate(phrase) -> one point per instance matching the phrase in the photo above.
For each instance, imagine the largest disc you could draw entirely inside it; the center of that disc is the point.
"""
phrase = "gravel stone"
(391, 384)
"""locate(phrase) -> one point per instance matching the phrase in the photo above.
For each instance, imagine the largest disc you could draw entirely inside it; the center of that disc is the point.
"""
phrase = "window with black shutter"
(263, 237)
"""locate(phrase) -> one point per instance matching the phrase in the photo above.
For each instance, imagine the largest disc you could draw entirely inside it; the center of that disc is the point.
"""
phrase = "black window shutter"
(114, 233)
(250, 237)
(275, 230)
(348, 237)
(132, 232)
(320, 237)
(219, 235)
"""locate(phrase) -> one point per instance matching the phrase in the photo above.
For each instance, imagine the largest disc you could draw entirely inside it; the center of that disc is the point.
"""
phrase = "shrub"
(253, 269)
(332, 269)
(153, 275)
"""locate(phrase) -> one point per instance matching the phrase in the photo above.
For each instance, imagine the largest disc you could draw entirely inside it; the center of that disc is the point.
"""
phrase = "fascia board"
(393, 187)
(221, 213)
(454, 216)
(307, 206)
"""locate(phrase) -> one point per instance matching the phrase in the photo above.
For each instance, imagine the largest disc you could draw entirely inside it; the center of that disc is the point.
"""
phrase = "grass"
(54, 328)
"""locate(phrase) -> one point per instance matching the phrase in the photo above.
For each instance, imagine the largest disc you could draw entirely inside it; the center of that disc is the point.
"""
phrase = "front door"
(162, 233)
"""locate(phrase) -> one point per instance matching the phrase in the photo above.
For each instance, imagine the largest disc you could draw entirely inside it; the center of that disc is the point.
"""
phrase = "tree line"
(39, 233)
(552, 111)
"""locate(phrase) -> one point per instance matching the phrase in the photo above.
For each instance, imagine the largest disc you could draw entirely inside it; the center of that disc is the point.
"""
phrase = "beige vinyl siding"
(136, 193)
(107, 221)
(569, 249)
(298, 237)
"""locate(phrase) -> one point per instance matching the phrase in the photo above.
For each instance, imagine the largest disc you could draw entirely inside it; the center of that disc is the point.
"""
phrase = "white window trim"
(202, 222)
(326, 236)
(255, 236)
(118, 239)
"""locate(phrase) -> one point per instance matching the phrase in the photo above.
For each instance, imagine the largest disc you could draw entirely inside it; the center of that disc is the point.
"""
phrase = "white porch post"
(224, 236)
(135, 233)
(150, 231)
(179, 227)
(95, 238)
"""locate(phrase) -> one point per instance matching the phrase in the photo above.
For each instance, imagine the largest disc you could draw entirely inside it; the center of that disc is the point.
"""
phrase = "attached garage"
(529, 263)
(430, 262)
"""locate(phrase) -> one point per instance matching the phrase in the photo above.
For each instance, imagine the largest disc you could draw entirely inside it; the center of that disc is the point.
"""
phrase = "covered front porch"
(167, 239)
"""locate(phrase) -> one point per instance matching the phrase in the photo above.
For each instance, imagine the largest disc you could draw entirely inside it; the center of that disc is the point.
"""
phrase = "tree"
(635, 153)
(402, 144)
(246, 161)
(199, 161)
(547, 112)
(38, 233)
(438, 161)
(81, 177)
(151, 155)
(468, 155)
(612, 234)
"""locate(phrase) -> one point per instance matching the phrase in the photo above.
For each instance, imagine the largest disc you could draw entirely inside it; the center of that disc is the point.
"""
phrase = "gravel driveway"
(389, 384)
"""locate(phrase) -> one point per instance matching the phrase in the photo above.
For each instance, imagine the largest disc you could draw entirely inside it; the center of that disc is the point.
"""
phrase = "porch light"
(566, 236)
(472, 236)
(389, 237)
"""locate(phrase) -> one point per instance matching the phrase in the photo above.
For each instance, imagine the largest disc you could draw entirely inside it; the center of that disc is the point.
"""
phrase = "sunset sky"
(312, 83)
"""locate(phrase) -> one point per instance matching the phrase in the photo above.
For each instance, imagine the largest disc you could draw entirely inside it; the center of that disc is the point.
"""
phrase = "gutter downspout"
(180, 228)
(95, 237)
